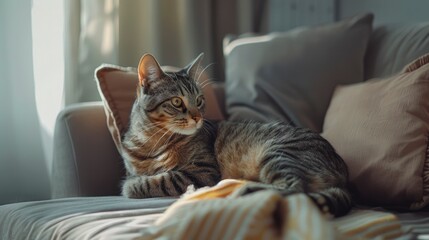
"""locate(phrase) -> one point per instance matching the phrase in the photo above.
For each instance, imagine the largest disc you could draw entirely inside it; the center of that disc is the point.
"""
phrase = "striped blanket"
(211, 214)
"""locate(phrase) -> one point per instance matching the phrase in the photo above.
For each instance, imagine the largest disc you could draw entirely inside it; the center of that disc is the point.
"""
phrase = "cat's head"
(171, 100)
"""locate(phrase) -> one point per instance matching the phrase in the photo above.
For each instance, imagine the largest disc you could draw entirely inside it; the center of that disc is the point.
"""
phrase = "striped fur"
(286, 158)
(169, 146)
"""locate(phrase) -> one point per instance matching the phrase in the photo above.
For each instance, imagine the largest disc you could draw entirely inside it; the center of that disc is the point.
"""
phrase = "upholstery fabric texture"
(103, 217)
(291, 76)
(86, 160)
(381, 128)
(117, 87)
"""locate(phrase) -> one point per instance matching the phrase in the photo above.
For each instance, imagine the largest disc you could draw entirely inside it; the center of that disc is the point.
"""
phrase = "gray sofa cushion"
(393, 46)
(291, 76)
(80, 218)
(86, 162)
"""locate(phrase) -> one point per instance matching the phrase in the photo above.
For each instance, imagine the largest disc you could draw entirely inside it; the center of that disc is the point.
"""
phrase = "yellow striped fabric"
(369, 224)
(212, 214)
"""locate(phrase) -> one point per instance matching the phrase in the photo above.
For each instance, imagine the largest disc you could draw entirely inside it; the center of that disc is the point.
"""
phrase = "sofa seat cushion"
(80, 218)
(121, 218)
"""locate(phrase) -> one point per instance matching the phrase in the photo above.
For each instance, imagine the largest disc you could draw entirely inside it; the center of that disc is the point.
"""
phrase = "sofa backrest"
(393, 46)
(390, 49)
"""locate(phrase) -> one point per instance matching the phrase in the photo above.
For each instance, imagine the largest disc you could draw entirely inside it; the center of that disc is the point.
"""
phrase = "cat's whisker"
(154, 134)
(201, 73)
(154, 148)
(198, 69)
(152, 126)
(162, 143)
(207, 84)
(168, 139)
(138, 137)
(207, 81)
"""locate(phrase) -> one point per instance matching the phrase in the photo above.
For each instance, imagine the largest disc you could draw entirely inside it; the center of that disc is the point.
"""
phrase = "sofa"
(365, 60)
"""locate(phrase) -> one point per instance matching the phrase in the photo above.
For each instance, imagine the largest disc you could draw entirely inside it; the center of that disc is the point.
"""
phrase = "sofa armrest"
(86, 161)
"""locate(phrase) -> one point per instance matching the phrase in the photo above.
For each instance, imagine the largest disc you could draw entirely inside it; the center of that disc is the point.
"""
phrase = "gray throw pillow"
(291, 76)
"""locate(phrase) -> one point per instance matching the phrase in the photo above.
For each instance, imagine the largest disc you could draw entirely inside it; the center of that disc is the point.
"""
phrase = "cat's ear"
(149, 71)
(194, 68)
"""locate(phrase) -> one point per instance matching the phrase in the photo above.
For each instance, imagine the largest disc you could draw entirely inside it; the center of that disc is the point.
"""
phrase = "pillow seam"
(424, 201)
(110, 103)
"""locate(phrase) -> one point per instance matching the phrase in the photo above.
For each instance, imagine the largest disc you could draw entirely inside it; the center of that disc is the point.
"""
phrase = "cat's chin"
(188, 131)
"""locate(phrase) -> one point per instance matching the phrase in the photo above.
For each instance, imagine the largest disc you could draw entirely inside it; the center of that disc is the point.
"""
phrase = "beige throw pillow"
(381, 128)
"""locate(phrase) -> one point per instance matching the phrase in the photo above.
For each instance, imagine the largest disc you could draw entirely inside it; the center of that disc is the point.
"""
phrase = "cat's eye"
(200, 101)
(177, 102)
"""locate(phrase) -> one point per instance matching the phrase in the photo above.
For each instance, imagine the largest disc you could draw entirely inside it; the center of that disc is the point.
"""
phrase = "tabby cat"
(169, 146)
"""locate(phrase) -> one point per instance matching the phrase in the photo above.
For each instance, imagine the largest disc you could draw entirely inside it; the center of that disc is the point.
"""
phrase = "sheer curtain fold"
(175, 32)
(90, 39)
(72, 14)
(120, 32)
(23, 168)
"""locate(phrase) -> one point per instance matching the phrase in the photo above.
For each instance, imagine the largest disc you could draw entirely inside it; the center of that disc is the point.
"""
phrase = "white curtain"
(50, 48)
(120, 32)
(23, 166)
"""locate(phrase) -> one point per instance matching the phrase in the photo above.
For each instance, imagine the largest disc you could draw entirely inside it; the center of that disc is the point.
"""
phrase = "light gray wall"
(387, 11)
(287, 14)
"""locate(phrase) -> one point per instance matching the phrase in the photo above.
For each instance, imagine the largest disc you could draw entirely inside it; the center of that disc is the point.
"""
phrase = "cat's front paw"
(132, 188)
(322, 204)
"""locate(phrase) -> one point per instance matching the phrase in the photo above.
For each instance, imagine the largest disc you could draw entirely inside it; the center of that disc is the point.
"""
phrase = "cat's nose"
(195, 115)
(196, 118)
